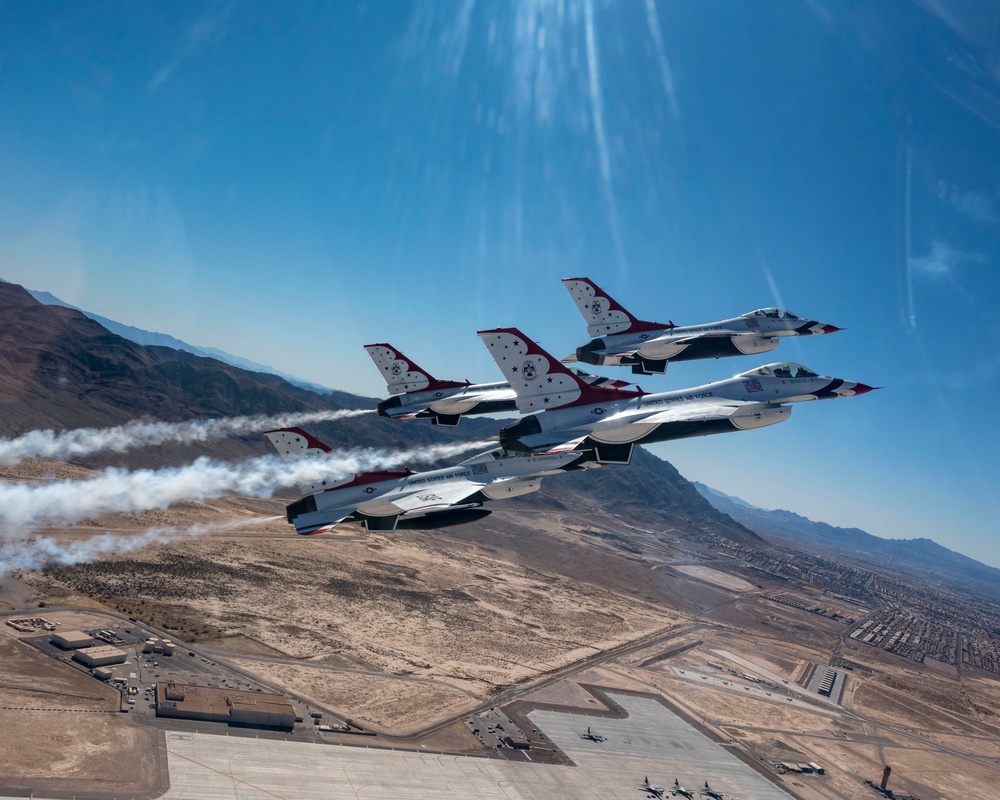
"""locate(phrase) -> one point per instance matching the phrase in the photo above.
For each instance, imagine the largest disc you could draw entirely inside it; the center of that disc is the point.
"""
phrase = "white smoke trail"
(37, 552)
(115, 490)
(78, 442)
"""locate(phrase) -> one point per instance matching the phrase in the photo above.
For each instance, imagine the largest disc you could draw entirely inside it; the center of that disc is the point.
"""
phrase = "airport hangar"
(651, 740)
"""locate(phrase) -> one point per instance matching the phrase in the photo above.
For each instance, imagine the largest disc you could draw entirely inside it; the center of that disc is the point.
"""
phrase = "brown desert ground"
(407, 630)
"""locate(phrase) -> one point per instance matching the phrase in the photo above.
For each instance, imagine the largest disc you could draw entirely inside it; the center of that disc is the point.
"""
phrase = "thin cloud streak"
(196, 37)
(666, 74)
(600, 135)
(943, 261)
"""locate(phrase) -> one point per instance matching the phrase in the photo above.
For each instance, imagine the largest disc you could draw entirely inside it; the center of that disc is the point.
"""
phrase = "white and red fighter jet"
(565, 413)
(624, 340)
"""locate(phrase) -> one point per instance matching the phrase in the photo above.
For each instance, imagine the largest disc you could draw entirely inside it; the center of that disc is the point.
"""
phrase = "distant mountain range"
(151, 338)
(919, 558)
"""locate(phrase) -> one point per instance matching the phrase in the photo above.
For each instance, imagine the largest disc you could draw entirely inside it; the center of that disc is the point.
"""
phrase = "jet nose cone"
(830, 328)
(864, 388)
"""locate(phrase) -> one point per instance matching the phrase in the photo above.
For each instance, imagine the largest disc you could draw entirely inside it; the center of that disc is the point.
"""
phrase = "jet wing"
(433, 498)
(668, 339)
(690, 411)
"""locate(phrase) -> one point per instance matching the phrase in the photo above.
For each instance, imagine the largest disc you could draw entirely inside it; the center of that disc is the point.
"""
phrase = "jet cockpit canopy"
(784, 369)
(772, 313)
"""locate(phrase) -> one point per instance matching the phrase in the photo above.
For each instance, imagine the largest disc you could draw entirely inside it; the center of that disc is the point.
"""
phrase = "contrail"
(666, 74)
(37, 552)
(116, 490)
(64, 445)
(600, 136)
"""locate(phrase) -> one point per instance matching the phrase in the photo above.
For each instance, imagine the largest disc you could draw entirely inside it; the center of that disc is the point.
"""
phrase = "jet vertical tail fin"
(402, 375)
(294, 445)
(603, 315)
(540, 380)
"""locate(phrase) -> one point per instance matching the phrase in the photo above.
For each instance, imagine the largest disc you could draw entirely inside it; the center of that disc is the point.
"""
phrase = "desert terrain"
(405, 633)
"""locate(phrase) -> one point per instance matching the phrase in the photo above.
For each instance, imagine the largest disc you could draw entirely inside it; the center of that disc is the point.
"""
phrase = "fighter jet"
(680, 790)
(417, 395)
(625, 340)
(650, 790)
(708, 791)
(572, 415)
(379, 499)
(593, 737)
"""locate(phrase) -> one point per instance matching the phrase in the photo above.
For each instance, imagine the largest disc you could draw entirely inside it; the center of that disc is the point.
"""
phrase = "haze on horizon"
(290, 183)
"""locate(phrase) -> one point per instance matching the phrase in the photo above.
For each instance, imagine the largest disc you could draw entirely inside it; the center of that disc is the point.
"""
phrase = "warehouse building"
(71, 640)
(102, 656)
(252, 709)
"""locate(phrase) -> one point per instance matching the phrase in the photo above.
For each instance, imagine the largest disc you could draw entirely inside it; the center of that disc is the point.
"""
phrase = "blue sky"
(290, 183)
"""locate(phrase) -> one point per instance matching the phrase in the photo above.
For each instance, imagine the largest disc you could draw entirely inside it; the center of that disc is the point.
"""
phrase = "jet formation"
(571, 420)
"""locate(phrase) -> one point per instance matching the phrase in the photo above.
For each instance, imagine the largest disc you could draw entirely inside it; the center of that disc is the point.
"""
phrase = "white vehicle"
(624, 340)
(567, 414)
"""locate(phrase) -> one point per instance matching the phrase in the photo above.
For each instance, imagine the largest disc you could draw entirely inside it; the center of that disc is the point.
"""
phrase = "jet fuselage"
(446, 406)
(748, 334)
(753, 399)
(495, 477)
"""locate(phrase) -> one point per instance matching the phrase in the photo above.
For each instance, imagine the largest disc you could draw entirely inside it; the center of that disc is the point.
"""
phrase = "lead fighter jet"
(379, 499)
(571, 415)
(625, 340)
(417, 395)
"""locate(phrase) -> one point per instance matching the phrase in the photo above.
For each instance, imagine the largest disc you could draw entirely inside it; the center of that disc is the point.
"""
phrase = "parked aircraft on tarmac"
(708, 791)
(577, 416)
(624, 340)
(418, 395)
(680, 790)
(650, 790)
(379, 499)
(593, 737)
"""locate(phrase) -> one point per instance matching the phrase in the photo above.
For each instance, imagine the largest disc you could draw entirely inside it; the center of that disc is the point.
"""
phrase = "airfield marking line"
(231, 776)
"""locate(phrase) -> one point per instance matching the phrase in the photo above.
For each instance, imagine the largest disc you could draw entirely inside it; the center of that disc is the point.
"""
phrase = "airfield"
(670, 650)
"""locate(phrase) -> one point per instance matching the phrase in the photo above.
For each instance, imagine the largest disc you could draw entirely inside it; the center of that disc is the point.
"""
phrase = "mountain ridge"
(157, 339)
(919, 557)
